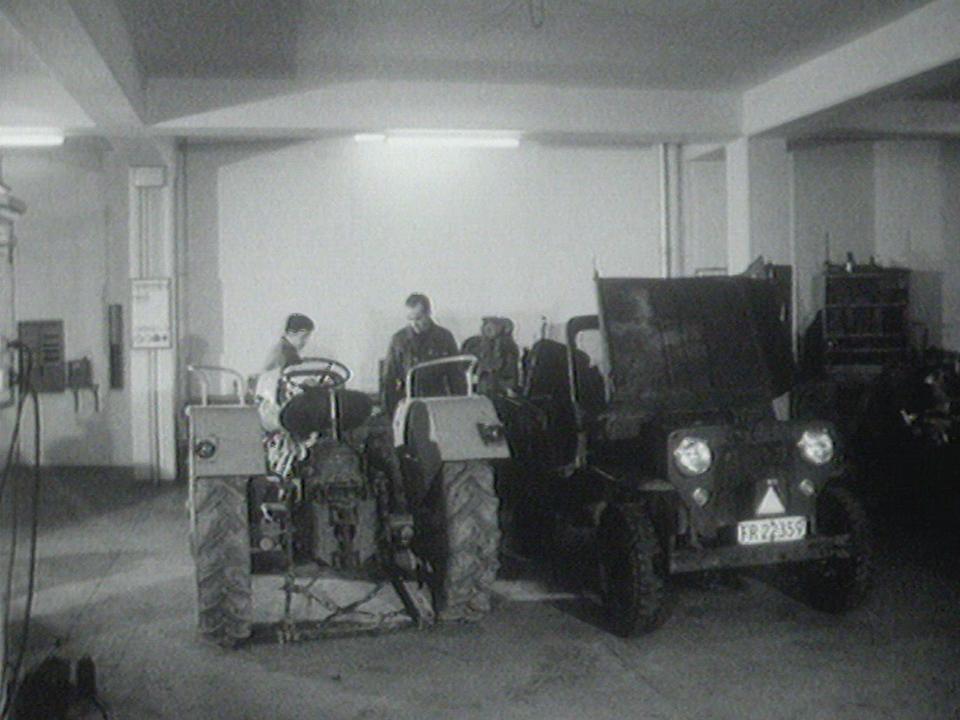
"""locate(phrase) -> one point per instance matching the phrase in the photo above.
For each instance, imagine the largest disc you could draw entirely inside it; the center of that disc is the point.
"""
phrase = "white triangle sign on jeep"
(771, 503)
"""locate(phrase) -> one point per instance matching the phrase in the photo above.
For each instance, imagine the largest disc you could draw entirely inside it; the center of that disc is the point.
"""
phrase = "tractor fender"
(225, 440)
(450, 429)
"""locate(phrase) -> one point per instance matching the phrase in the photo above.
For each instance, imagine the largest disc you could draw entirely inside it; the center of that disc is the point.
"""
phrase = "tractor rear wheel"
(221, 552)
(836, 585)
(466, 543)
(633, 589)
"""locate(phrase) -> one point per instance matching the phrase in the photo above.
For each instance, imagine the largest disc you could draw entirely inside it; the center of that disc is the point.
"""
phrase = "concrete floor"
(115, 581)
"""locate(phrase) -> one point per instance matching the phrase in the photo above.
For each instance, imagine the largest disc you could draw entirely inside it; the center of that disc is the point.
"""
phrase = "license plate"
(771, 530)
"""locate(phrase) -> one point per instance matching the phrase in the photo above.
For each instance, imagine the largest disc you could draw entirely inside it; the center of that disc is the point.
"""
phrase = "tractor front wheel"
(221, 552)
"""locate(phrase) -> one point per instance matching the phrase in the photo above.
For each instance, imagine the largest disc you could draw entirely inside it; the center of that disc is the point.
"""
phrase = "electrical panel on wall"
(151, 317)
(44, 338)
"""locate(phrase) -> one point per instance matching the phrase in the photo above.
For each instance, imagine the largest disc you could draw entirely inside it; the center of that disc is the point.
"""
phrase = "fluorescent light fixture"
(445, 138)
(30, 138)
(455, 138)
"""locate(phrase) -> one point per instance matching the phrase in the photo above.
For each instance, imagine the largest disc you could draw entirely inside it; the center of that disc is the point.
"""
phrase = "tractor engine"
(342, 504)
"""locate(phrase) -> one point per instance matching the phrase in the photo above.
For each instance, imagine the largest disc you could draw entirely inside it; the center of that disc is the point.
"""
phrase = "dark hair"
(419, 299)
(299, 323)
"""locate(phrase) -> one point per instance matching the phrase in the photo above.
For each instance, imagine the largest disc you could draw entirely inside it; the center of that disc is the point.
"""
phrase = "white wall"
(951, 246)
(896, 201)
(344, 231)
(911, 228)
(704, 212)
(758, 172)
(833, 195)
(770, 170)
(70, 264)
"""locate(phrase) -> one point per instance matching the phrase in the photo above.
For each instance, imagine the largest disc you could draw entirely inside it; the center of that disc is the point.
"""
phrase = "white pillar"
(153, 370)
(671, 241)
(10, 210)
(758, 202)
(738, 205)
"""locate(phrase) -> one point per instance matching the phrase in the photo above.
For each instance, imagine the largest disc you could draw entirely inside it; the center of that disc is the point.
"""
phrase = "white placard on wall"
(151, 314)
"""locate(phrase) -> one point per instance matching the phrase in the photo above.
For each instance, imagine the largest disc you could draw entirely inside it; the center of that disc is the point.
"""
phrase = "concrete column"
(10, 210)
(671, 240)
(153, 370)
(737, 156)
(758, 182)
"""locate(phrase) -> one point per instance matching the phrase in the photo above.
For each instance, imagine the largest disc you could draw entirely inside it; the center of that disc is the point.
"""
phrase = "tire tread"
(221, 551)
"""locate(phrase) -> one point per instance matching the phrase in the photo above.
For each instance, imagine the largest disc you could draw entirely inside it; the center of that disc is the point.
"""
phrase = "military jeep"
(663, 452)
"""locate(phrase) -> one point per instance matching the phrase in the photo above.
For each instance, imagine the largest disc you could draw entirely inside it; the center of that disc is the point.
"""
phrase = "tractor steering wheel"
(317, 372)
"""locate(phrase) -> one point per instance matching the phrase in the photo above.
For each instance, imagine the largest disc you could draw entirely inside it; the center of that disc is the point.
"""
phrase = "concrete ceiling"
(663, 44)
(946, 88)
(598, 71)
(30, 96)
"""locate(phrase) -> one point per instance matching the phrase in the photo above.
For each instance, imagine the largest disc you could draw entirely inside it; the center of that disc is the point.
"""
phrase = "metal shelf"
(854, 306)
(862, 335)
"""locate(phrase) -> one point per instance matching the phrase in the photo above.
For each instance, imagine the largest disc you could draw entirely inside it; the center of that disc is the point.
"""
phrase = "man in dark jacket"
(420, 341)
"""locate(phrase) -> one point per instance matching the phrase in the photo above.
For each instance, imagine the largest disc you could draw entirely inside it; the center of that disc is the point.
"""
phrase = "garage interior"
(228, 164)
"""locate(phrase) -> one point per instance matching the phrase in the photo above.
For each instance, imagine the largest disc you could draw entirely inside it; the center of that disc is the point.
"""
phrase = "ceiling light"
(455, 142)
(369, 137)
(28, 138)
(485, 139)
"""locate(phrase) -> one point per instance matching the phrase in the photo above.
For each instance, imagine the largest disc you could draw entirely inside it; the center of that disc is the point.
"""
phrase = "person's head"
(418, 311)
(297, 330)
(493, 327)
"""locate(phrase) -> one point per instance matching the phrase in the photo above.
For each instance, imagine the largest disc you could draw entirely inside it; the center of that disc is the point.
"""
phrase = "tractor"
(303, 485)
(663, 454)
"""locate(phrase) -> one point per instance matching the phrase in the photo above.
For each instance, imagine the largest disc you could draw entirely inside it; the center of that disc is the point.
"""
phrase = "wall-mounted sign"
(151, 314)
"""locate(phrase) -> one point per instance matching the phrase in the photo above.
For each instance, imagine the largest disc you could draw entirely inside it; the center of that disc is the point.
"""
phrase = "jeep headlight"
(693, 456)
(816, 446)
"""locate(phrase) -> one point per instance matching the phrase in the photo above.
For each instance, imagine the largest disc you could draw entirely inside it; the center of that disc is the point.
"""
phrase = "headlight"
(205, 449)
(693, 456)
(490, 433)
(816, 446)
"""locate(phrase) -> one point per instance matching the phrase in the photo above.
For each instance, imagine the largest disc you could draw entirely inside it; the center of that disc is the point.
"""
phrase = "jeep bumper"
(730, 556)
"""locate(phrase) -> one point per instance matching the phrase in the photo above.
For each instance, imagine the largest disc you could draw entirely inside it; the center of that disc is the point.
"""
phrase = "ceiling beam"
(702, 152)
(927, 38)
(195, 108)
(85, 45)
(916, 118)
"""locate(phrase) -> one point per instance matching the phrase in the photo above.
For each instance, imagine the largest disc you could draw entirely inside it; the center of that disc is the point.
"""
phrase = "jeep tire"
(837, 585)
(221, 552)
(632, 584)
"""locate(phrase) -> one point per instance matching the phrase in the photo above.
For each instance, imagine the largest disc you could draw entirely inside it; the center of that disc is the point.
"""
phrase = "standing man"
(295, 336)
(420, 341)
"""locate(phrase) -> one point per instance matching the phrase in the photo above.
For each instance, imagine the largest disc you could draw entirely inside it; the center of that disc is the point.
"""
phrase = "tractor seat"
(309, 412)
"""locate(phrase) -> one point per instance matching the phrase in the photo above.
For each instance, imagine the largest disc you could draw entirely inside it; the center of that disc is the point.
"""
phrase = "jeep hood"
(692, 345)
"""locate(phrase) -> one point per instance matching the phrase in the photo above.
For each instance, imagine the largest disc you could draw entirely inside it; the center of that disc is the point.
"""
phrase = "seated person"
(497, 356)
(295, 336)
(303, 406)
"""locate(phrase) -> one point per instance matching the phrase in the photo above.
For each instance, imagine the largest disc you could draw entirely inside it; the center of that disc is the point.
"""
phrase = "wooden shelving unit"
(865, 321)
